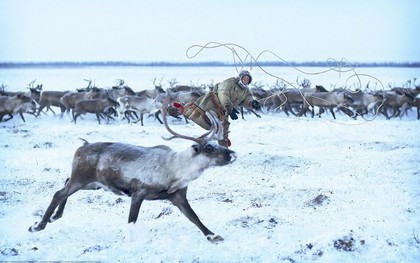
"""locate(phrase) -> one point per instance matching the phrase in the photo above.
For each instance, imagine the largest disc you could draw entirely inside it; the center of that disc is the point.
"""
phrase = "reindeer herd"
(106, 103)
(158, 172)
(123, 103)
(391, 103)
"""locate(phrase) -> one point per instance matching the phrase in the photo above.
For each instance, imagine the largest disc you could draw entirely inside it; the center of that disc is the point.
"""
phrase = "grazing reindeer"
(144, 173)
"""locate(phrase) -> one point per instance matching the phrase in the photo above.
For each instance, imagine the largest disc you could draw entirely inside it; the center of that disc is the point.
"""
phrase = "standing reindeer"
(144, 173)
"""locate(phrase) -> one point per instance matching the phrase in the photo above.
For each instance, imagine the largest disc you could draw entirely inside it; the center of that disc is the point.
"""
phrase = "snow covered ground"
(301, 190)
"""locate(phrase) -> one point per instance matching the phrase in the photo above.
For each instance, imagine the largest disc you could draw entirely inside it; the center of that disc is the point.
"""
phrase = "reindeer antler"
(215, 132)
(90, 82)
(31, 84)
(119, 82)
(3, 87)
(175, 134)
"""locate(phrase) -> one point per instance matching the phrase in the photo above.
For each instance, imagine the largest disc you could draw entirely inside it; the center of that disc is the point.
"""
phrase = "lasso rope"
(342, 66)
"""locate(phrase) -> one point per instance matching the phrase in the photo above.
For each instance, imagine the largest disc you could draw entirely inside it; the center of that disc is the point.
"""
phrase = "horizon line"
(63, 64)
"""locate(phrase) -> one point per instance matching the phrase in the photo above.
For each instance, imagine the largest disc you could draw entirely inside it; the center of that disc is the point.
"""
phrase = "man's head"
(244, 78)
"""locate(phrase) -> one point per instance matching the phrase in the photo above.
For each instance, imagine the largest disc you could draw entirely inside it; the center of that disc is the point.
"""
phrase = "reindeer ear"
(196, 148)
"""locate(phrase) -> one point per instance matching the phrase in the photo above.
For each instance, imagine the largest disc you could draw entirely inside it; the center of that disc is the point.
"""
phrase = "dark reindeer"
(144, 173)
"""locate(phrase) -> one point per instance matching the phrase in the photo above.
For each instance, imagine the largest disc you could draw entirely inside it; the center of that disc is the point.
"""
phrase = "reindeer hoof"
(35, 228)
(214, 238)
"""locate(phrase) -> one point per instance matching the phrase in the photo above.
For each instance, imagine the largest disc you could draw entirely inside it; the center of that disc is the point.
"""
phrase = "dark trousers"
(225, 141)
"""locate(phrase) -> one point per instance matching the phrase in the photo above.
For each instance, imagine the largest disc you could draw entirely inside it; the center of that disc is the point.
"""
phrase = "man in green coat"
(222, 99)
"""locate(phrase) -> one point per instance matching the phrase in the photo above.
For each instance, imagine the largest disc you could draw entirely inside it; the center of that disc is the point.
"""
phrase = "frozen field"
(301, 189)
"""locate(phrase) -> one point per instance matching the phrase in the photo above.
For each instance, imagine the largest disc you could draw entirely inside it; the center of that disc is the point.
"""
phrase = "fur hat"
(244, 73)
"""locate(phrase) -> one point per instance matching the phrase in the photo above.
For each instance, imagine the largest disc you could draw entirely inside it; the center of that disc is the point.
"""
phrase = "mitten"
(234, 114)
(255, 105)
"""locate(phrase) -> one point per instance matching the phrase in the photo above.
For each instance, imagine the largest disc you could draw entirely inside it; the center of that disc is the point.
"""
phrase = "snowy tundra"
(301, 190)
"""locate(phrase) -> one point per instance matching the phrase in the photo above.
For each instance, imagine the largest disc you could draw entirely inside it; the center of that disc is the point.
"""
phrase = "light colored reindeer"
(144, 173)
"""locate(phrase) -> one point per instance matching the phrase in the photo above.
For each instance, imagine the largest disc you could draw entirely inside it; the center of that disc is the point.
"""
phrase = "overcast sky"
(163, 30)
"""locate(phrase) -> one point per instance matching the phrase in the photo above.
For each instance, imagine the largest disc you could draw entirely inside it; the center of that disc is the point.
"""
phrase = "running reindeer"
(144, 173)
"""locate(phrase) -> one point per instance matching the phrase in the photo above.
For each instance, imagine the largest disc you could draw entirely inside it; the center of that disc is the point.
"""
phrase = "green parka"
(224, 96)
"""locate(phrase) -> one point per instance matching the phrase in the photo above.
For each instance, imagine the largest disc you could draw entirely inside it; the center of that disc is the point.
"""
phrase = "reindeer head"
(204, 147)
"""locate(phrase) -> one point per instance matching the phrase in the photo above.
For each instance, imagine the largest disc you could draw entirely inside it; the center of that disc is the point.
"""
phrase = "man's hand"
(255, 105)
(234, 114)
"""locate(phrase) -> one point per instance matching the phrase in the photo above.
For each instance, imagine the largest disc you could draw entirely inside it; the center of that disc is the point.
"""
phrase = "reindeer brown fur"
(144, 173)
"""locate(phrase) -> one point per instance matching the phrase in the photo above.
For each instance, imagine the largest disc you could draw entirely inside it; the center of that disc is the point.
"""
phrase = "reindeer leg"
(59, 212)
(75, 117)
(157, 116)
(10, 117)
(136, 201)
(136, 116)
(41, 109)
(21, 116)
(98, 117)
(179, 199)
(63, 109)
(291, 108)
(59, 198)
(313, 112)
(49, 108)
(332, 112)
